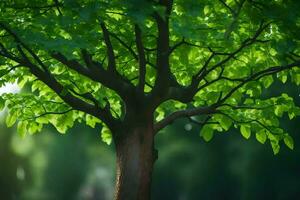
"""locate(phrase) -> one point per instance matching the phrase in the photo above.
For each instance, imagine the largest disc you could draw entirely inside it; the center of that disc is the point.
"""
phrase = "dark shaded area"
(70, 151)
(229, 167)
(10, 164)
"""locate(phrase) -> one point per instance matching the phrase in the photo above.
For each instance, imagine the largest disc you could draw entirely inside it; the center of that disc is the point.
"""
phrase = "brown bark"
(135, 159)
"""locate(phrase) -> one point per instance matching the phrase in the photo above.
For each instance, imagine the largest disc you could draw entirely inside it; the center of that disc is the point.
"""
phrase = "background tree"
(137, 66)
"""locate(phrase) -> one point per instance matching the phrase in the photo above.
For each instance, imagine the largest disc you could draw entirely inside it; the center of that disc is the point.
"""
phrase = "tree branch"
(244, 44)
(164, 76)
(49, 113)
(96, 72)
(249, 121)
(183, 113)
(10, 69)
(213, 108)
(19, 41)
(228, 7)
(110, 51)
(247, 107)
(185, 94)
(142, 58)
(72, 64)
(125, 45)
(57, 5)
(257, 76)
(47, 78)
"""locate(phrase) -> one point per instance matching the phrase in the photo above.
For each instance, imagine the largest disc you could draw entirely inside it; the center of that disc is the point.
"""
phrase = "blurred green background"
(78, 165)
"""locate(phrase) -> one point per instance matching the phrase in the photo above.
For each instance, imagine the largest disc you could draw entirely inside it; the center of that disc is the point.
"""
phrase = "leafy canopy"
(92, 61)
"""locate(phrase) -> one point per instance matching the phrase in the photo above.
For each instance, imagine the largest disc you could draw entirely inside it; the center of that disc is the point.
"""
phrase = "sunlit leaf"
(106, 135)
(289, 142)
(245, 131)
(207, 133)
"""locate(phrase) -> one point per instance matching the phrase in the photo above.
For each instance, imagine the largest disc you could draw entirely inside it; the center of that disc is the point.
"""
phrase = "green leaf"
(206, 10)
(279, 110)
(267, 81)
(91, 121)
(272, 52)
(291, 115)
(22, 128)
(275, 147)
(207, 133)
(245, 131)
(297, 79)
(64, 122)
(282, 76)
(261, 136)
(2, 103)
(43, 120)
(289, 142)
(224, 121)
(34, 86)
(21, 82)
(11, 119)
(106, 135)
(34, 127)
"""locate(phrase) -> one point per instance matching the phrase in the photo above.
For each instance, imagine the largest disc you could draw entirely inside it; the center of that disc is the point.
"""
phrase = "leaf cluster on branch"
(106, 61)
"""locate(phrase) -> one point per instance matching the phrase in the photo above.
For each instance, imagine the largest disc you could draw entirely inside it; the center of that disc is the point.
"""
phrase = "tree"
(135, 67)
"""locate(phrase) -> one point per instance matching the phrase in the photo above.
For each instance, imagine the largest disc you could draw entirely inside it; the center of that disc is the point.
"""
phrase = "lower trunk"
(135, 159)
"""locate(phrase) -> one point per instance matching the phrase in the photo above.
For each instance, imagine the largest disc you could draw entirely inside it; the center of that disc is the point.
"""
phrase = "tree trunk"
(135, 159)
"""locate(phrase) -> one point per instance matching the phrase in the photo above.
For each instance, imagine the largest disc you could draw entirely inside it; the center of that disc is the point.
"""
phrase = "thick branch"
(168, 4)
(142, 58)
(164, 76)
(70, 99)
(182, 114)
(96, 72)
(72, 64)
